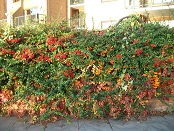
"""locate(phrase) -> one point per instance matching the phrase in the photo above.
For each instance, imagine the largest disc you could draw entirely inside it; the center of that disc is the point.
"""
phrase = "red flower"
(11, 52)
(90, 48)
(100, 33)
(84, 55)
(145, 44)
(26, 54)
(13, 40)
(74, 42)
(153, 45)
(68, 63)
(138, 52)
(52, 49)
(66, 53)
(37, 85)
(126, 76)
(68, 73)
(157, 63)
(56, 56)
(62, 56)
(40, 58)
(60, 41)
(78, 52)
(51, 41)
(19, 39)
(170, 60)
(44, 58)
(134, 41)
(156, 59)
(146, 54)
(71, 73)
(47, 58)
(3, 51)
(71, 36)
(118, 56)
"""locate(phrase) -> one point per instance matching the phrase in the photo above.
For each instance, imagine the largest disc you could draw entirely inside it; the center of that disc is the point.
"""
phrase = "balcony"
(134, 4)
(76, 2)
(157, 10)
(20, 20)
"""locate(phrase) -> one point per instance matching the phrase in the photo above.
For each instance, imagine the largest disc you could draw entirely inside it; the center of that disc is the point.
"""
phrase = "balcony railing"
(20, 20)
(3, 21)
(78, 23)
(75, 2)
(147, 3)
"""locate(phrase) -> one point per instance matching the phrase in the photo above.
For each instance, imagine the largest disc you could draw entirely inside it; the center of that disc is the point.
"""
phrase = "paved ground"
(156, 123)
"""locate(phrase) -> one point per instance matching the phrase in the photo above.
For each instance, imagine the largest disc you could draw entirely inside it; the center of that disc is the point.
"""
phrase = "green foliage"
(52, 71)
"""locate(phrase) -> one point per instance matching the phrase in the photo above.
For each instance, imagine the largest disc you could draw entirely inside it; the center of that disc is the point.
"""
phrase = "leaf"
(122, 75)
(124, 87)
(68, 122)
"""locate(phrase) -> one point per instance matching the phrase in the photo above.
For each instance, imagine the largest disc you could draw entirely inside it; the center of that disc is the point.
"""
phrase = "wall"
(19, 12)
(3, 9)
(56, 10)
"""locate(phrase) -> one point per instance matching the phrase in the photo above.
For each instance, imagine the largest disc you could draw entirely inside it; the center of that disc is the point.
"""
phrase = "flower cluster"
(6, 51)
(13, 40)
(44, 58)
(26, 55)
(68, 73)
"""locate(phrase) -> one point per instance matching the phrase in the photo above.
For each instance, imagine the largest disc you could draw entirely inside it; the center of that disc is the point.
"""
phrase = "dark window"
(15, 0)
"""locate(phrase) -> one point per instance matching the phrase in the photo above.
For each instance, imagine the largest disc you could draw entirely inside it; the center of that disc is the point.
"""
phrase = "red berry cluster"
(51, 41)
(61, 55)
(26, 54)
(5, 51)
(118, 56)
(138, 52)
(68, 73)
(44, 58)
(13, 40)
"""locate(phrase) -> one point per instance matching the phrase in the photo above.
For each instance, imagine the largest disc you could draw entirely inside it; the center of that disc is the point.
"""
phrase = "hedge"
(50, 71)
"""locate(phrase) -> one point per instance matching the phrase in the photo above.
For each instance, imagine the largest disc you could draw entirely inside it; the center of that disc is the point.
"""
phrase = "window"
(106, 24)
(107, 1)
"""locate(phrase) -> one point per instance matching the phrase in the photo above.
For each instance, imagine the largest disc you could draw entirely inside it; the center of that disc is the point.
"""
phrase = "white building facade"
(100, 14)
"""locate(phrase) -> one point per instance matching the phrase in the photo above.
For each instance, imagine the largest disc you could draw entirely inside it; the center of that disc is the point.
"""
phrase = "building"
(99, 14)
(90, 14)
(3, 10)
(158, 10)
(17, 12)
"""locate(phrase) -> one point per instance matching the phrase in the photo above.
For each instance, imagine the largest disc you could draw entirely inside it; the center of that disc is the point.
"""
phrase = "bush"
(51, 71)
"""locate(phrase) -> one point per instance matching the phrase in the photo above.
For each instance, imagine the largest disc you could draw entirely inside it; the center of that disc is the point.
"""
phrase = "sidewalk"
(156, 123)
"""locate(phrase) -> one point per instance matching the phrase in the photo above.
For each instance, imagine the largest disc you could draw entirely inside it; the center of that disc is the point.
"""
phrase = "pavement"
(155, 123)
